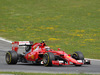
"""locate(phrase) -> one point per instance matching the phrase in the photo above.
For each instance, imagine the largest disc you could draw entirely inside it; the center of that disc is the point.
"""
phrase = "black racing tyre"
(47, 58)
(78, 56)
(11, 57)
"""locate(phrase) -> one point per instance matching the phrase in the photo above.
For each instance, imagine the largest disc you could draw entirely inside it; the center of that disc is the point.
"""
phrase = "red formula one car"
(40, 53)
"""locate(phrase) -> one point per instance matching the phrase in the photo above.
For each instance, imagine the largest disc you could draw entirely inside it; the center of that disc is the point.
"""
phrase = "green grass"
(22, 73)
(72, 25)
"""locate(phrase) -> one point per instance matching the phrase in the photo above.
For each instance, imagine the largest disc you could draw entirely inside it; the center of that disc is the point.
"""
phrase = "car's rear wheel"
(47, 58)
(78, 56)
(11, 57)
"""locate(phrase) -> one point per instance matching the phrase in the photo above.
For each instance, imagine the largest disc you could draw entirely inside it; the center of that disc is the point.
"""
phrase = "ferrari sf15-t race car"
(40, 53)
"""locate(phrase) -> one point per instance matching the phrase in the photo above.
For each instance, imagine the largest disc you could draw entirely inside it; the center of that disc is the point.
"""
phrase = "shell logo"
(32, 56)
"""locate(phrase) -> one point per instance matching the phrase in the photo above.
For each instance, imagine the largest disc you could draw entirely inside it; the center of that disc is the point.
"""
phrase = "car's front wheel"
(47, 59)
(78, 56)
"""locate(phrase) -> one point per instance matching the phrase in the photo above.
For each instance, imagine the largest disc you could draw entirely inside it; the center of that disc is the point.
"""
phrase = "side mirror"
(58, 49)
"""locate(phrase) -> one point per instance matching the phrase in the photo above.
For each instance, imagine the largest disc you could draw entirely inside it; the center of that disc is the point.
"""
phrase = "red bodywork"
(38, 49)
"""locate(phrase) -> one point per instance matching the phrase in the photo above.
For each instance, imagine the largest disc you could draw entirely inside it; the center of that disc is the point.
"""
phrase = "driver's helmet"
(47, 48)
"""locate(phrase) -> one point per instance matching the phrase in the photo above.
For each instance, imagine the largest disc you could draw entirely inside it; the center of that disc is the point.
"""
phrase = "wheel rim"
(45, 59)
(75, 56)
(8, 58)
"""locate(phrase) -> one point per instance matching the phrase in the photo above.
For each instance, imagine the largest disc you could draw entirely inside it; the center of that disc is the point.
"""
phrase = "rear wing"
(16, 44)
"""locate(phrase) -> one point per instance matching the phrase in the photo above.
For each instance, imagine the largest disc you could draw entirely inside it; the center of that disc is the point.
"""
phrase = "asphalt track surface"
(94, 68)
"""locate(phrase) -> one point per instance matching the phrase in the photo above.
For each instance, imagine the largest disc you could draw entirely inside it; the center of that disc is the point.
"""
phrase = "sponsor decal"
(32, 56)
(15, 45)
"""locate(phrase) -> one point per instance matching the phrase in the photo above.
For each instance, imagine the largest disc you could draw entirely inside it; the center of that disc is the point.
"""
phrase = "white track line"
(93, 59)
(5, 40)
(11, 42)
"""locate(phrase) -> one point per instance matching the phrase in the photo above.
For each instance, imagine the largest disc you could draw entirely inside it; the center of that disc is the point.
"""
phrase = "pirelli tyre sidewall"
(11, 57)
(47, 58)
